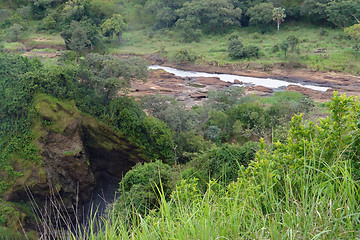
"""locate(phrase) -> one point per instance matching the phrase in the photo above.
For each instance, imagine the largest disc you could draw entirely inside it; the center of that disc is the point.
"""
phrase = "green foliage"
(188, 31)
(293, 42)
(172, 112)
(189, 144)
(114, 25)
(141, 188)
(184, 56)
(79, 36)
(316, 9)
(107, 74)
(342, 13)
(151, 135)
(158, 143)
(202, 13)
(251, 51)
(16, 98)
(284, 45)
(296, 189)
(353, 31)
(235, 48)
(261, 14)
(15, 32)
(278, 16)
(222, 163)
(49, 22)
(9, 221)
(165, 18)
(224, 99)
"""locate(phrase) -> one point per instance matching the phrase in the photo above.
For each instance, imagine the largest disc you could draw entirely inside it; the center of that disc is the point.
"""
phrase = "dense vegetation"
(238, 167)
(253, 34)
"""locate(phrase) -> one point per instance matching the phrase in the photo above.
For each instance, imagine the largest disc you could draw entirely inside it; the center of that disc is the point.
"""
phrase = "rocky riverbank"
(193, 90)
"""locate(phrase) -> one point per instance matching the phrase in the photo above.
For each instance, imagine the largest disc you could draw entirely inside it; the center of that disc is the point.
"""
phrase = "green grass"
(13, 47)
(304, 188)
(339, 55)
(325, 208)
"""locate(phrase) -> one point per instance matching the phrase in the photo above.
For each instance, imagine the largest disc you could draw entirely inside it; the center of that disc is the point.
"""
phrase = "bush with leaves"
(221, 164)
(15, 32)
(251, 51)
(284, 45)
(235, 48)
(184, 56)
(141, 188)
(293, 41)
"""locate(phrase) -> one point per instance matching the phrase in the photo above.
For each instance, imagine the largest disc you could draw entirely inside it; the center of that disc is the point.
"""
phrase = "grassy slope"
(339, 55)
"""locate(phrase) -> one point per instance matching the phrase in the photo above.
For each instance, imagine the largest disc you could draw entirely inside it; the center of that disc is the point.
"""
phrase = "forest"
(282, 164)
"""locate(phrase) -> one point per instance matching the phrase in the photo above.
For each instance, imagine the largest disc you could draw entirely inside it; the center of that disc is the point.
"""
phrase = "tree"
(114, 25)
(316, 9)
(108, 74)
(293, 41)
(15, 32)
(101, 9)
(278, 16)
(140, 188)
(261, 14)
(235, 48)
(342, 13)
(74, 10)
(214, 14)
(285, 46)
(165, 18)
(76, 38)
(79, 36)
(353, 31)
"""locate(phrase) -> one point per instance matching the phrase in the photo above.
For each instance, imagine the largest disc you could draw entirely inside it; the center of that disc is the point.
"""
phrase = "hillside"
(96, 145)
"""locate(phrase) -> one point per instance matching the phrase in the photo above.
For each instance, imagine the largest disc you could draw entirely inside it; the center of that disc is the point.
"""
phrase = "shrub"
(190, 35)
(49, 23)
(324, 32)
(293, 41)
(251, 51)
(284, 45)
(222, 163)
(184, 56)
(275, 48)
(235, 49)
(141, 186)
(233, 36)
(15, 32)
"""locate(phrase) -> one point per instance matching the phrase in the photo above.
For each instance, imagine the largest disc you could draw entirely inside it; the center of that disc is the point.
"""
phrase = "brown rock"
(302, 90)
(198, 95)
(259, 89)
(212, 81)
(236, 81)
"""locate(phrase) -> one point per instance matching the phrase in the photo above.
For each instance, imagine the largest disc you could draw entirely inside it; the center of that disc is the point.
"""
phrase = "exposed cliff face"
(77, 153)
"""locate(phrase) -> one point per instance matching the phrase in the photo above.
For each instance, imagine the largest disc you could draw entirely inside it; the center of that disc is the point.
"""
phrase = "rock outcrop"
(77, 152)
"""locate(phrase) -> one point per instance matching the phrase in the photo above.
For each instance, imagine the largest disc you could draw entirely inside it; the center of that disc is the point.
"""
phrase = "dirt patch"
(41, 40)
(41, 54)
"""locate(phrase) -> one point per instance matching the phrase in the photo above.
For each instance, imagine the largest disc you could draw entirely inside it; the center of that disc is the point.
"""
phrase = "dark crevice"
(108, 167)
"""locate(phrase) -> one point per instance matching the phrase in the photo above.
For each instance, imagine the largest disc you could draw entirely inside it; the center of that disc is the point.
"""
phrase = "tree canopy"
(114, 25)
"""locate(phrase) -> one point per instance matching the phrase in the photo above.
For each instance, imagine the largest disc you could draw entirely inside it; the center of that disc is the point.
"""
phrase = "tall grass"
(324, 205)
(304, 188)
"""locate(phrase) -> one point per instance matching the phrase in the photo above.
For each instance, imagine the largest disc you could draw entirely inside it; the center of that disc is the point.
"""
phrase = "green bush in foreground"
(305, 188)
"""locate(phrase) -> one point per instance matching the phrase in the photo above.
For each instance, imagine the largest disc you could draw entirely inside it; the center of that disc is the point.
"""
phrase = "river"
(266, 82)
